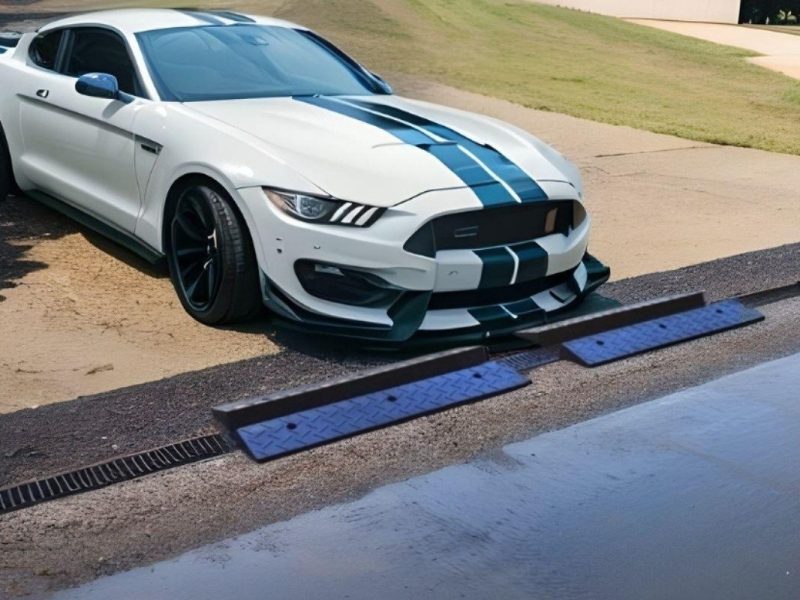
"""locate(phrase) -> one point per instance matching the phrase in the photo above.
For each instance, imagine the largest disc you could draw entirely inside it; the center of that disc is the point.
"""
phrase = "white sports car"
(268, 166)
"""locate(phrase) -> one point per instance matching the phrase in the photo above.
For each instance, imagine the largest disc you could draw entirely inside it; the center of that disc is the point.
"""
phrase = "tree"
(758, 11)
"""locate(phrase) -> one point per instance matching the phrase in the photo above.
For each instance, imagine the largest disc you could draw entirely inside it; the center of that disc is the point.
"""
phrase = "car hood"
(366, 160)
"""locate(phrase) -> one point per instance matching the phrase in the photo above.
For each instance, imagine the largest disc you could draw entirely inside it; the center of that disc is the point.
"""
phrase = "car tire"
(211, 259)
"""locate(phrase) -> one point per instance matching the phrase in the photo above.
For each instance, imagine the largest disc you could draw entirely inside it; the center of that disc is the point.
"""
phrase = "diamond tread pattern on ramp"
(325, 424)
(627, 341)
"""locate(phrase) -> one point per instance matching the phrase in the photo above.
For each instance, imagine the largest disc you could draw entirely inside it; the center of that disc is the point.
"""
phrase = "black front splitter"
(405, 336)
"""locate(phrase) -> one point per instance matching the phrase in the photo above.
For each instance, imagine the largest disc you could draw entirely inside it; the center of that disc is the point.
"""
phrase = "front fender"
(193, 145)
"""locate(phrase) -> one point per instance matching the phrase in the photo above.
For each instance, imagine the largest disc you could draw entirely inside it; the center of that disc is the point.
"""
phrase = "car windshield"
(249, 61)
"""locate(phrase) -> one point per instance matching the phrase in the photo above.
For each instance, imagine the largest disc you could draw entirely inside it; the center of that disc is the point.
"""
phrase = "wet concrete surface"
(695, 495)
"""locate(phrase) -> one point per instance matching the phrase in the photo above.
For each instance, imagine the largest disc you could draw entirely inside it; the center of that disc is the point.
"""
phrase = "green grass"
(561, 60)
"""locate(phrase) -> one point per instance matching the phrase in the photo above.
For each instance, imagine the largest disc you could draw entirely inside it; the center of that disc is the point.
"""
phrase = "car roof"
(136, 20)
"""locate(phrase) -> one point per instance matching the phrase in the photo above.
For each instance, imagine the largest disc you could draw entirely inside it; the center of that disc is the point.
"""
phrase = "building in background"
(711, 11)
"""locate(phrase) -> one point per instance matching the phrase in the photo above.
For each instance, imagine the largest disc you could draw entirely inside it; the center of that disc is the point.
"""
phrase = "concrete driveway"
(781, 50)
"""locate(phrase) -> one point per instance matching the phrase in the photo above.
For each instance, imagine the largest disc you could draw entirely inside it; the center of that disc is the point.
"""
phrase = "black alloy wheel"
(211, 258)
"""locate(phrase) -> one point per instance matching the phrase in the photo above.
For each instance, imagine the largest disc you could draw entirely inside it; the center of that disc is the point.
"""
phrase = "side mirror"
(387, 89)
(100, 85)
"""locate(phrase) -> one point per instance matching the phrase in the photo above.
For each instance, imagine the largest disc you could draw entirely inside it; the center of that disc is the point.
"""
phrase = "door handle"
(43, 93)
(152, 148)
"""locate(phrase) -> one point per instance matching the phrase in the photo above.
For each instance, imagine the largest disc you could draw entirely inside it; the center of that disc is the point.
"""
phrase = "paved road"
(695, 495)
(781, 50)
(82, 537)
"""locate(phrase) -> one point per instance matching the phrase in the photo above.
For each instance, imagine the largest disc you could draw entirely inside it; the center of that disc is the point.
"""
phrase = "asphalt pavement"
(76, 539)
(693, 495)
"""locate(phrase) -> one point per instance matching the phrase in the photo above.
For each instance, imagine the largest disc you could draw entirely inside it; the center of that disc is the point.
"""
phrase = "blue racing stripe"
(493, 194)
(498, 267)
(489, 191)
(201, 16)
(487, 314)
(523, 307)
(533, 261)
(403, 132)
(234, 16)
(462, 165)
(519, 181)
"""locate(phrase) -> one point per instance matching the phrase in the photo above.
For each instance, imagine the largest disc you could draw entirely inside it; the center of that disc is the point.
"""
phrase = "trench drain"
(301, 418)
(113, 471)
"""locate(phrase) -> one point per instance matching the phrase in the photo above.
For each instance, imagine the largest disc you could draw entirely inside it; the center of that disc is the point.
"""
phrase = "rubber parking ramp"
(238, 414)
(609, 346)
(760, 298)
(614, 318)
(324, 424)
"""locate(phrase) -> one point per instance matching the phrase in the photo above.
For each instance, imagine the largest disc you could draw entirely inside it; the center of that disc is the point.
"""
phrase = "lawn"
(558, 60)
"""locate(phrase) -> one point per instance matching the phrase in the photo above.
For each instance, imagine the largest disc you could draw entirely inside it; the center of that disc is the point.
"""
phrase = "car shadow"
(331, 347)
(23, 224)
(156, 270)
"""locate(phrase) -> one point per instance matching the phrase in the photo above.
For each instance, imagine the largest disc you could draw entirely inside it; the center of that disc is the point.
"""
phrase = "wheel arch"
(199, 177)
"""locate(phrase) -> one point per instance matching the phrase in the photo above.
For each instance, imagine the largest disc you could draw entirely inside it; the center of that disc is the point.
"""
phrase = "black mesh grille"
(491, 227)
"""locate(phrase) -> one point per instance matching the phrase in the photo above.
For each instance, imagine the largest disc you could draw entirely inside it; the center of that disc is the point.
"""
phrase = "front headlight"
(324, 210)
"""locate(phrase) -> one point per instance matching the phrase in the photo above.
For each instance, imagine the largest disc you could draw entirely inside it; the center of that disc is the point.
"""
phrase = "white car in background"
(267, 166)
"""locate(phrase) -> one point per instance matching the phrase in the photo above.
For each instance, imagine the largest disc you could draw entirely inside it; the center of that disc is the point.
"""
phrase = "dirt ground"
(81, 316)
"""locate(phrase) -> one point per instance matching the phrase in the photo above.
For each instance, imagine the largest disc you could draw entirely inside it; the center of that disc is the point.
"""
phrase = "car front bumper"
(453, 293)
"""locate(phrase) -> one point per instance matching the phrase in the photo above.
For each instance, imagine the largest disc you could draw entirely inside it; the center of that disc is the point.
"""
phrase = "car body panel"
(349, 160)
(118, 160)
(80, 149)
(352, 160)
(134, 20)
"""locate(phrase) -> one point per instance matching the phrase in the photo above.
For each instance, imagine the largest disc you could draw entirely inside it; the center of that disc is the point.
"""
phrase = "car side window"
(101, 51)
(44, 49)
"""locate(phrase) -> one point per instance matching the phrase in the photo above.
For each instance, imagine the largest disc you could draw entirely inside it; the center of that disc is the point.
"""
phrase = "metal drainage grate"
(530, 359)
(114, 471)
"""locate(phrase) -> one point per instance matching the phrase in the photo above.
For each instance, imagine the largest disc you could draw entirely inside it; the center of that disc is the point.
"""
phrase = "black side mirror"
(100, 85)
(385, 87)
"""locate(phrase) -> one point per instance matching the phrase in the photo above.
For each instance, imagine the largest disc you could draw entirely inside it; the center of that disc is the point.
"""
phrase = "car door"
(77, 148)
